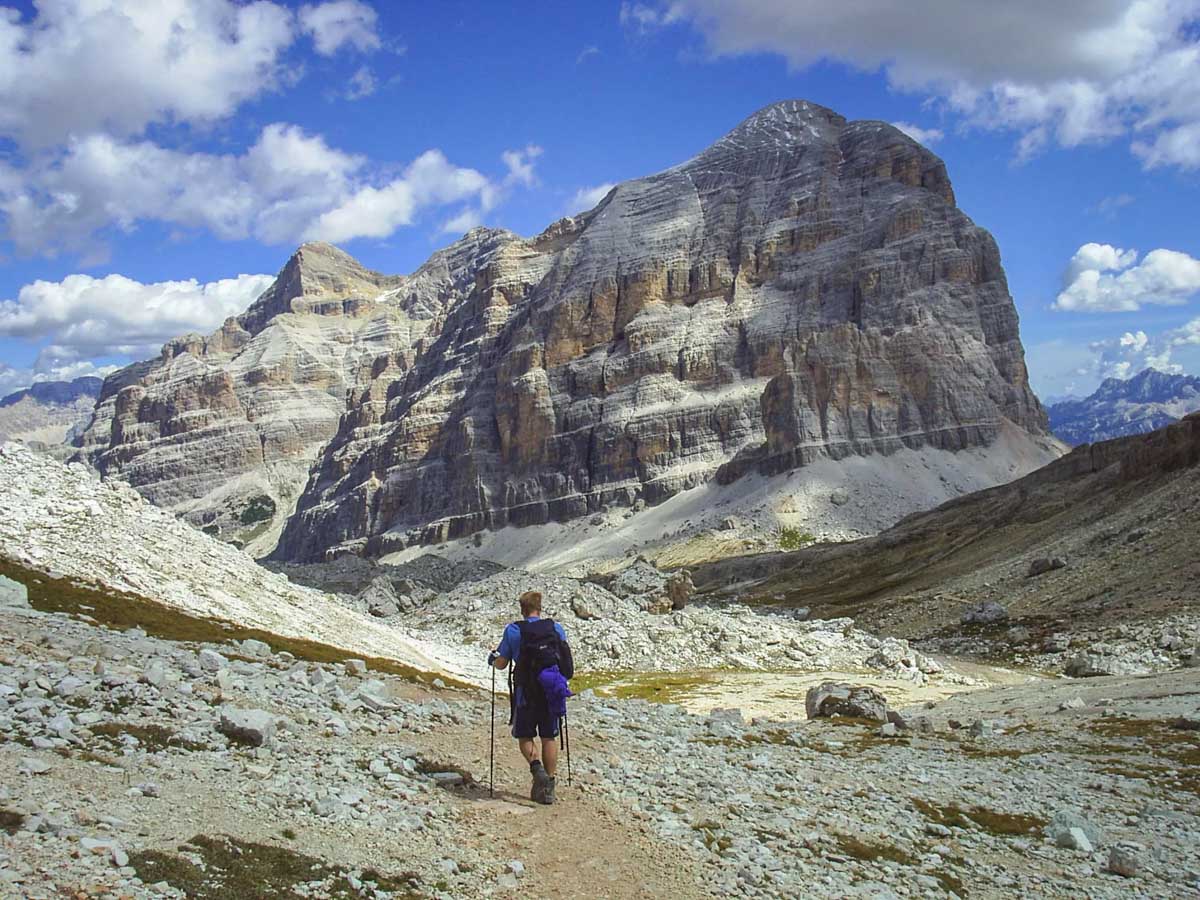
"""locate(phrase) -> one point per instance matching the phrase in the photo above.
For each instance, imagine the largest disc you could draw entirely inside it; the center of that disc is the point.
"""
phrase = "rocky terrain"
(803, 290)
(49, 414)
(133, 766)
(1119, 407)
(177, 721)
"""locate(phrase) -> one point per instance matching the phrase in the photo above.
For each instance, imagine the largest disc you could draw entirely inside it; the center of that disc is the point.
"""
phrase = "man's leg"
(549, 754)
(527, 749)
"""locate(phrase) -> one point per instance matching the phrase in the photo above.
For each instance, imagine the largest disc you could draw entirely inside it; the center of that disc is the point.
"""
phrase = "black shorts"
(534, 719)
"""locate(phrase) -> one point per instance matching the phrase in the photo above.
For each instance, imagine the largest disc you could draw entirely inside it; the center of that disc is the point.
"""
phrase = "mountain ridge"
(1120, 407)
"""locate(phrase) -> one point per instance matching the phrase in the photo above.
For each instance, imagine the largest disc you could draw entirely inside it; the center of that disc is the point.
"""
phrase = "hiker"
(538, 690)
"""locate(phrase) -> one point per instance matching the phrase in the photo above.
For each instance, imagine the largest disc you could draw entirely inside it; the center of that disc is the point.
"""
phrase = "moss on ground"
(121, 611)
(151, 738)
(228, 867)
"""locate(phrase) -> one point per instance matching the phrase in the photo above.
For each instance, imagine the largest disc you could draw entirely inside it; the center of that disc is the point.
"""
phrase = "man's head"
(531, 604)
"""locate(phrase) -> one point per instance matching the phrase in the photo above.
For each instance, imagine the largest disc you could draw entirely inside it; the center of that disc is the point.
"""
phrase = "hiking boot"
(547, 794)
(538, 790)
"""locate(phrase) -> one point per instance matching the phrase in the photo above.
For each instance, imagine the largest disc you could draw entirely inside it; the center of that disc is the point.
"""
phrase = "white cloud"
(339, 23)
(1103, 278)
(1061, 367)
(362, 84)
(14, 379)
(287, 186)
(587, 53)
(1070, 71)
(81, 66)
(1110, 206)
(588, 197)
(926, 136)
(520, 165)
(645, 17)
(431, 180)
(84, 317)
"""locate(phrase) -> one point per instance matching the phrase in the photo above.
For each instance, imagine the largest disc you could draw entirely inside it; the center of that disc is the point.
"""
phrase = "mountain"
(1119, 517)
(804, 289)
(48, 413)
(1148, 400)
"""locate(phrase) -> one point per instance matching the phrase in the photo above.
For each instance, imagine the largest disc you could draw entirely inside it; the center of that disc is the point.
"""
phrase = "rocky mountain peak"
(804, 289)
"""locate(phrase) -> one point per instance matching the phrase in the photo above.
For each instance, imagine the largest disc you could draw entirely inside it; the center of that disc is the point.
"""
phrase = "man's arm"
(502, 655)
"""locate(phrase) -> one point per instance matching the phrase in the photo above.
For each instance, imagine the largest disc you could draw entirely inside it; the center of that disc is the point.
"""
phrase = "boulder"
(252, 727)
(380, 598)
(13, 594)
(1069, 828)
(1125, 859)
(831, 698)
(1096, 665)
(582, 610)
(1043, 565)
(989, 612)
(211, 661)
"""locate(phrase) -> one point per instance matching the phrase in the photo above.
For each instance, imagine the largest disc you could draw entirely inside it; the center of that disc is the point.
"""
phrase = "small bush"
(794, 538)
(259, 509)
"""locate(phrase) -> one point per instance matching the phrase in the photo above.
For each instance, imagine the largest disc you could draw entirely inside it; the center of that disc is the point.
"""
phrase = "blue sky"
(158, 164)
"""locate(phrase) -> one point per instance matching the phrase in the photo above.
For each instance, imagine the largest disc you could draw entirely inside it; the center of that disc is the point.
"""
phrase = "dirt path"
(582, 847)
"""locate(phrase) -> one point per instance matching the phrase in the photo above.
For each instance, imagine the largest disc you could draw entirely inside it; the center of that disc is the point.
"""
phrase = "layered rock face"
(224, 428)
(806, 287)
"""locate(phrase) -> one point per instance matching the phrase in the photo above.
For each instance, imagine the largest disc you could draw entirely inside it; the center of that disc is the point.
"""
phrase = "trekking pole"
(492, 742)
(566, 730)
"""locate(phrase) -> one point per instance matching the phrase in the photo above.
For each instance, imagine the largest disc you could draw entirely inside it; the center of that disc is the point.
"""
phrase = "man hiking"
(542, 663)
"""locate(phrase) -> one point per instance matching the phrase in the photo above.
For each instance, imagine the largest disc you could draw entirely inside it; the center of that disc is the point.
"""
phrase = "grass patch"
(871, 851)
(954, 816)
(151, 738)
(10, 821)
(121, 611)
(229, 868)
(1178, 750)
(288, 833)
(710, 835)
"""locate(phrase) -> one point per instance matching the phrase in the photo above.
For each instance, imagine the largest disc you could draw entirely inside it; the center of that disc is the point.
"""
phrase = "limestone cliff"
(804, 288)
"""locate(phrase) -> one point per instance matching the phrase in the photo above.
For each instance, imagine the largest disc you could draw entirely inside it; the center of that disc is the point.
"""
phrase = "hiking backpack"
(541, 648)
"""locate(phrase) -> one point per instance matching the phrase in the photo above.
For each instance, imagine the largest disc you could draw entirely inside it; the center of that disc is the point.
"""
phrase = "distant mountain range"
(50, 412)
(1119, 407)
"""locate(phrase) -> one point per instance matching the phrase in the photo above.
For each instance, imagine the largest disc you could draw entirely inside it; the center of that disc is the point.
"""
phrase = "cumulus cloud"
(1064, 368)
(84, 317)
(1068, 72)
(926, 136)
(340, 23)
(78, 67)
(288, 185)
(588, 197)
(1103, 278)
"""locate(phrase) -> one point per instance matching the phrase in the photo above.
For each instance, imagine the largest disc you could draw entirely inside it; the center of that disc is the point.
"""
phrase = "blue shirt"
(510, 644)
